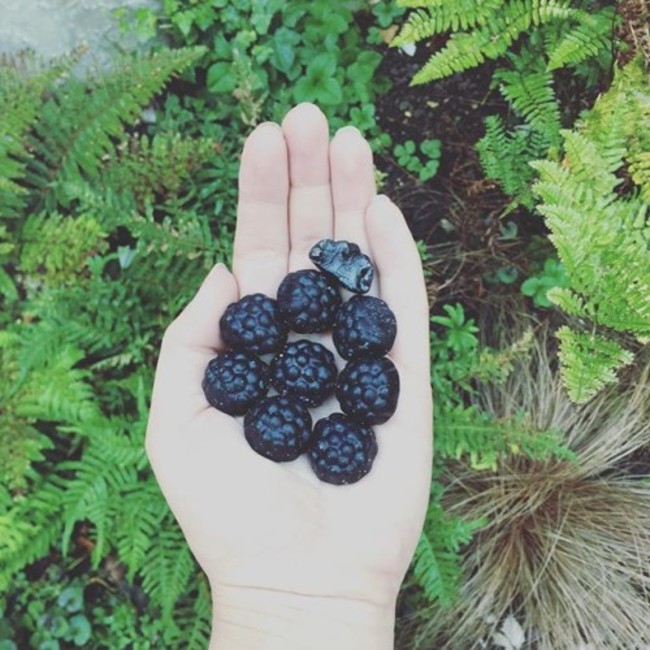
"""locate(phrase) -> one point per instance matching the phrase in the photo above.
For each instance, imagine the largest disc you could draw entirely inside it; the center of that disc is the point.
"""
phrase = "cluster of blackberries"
(342, 446)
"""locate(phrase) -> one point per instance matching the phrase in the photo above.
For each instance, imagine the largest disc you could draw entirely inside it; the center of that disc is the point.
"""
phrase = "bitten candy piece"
(234, 381)
(368, 390)
(365, 327)
(343, 451)
(278, 428)
(345, 262)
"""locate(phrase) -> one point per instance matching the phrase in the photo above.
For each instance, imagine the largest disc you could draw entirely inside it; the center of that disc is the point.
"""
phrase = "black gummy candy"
(342, 451)
(368, 390)
(308, 301)
(234, 381)
(365, 327)
(278, 428)
(305, 370)
(253, 324)
(345, 262)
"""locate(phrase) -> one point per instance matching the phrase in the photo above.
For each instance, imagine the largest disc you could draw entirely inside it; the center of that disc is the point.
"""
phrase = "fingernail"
(382, 199)
(274, 125)
(348, 129)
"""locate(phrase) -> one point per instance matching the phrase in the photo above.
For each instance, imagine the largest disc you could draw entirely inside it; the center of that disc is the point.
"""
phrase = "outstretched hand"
(283, 550)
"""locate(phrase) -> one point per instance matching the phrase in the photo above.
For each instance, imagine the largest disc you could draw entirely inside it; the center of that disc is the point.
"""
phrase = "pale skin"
(294, 562)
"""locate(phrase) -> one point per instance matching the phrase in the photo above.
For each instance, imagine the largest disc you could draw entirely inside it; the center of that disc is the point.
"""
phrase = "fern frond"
(589, 362)
(505, 156)
(78, 123)
(436, 562)
(439, 18)
(532, 96)
(168, 567)
(592, 35)
(490, 41)
(640, 172)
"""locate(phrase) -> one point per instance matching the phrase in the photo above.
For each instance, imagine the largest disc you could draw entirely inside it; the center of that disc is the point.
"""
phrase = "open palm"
(254, 524)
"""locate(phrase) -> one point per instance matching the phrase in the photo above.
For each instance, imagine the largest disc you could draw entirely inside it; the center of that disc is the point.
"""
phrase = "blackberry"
(368, 389)
(234, 381)
(308, 301)
(345, 262)
(364, 327)
(343, 451)
(305, 370)
(278, 428)
(253, 324)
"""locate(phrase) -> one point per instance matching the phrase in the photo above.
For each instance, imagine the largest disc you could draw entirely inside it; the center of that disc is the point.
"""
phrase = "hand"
(293, 561)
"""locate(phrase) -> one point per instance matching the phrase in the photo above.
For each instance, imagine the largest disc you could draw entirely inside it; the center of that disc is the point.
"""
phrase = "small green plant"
(423, 162)
(553, 274)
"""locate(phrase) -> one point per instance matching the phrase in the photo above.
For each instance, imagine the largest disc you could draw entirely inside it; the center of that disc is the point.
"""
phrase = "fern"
(602, 236)
(485, 30)
(589, 38)
(436, 563)
(78, 123)
(589, 362)
(505, 156)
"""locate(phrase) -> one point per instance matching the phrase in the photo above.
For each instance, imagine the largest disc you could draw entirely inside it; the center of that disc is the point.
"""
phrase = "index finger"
(261, 249)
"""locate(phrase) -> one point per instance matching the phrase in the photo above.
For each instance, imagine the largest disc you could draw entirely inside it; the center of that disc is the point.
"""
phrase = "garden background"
(514, 135)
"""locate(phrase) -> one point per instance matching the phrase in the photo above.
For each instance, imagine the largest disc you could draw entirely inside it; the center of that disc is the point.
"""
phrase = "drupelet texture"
(343, 451)
(368, 390)
(235, 381)
(365, 327)
(305, 370)
(253, 324)
(278, 428)
(308, 301)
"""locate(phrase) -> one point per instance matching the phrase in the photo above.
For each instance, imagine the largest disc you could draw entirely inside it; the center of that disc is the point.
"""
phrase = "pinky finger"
(401, 283)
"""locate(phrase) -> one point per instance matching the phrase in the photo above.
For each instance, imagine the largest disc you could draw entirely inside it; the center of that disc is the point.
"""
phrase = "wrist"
(250, 618)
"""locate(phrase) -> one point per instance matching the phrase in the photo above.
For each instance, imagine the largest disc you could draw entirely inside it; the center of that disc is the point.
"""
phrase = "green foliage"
(106, 236)
(480, 31)
(57, 611)
(601, 233)
(424, 163)
(265, 57)
(537, 286)
(463, 433)
(436, 563)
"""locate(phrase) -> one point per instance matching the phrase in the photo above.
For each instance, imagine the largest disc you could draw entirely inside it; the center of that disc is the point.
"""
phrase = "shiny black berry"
(368, 389)
(278, 428)
(345, 263)
(308, 301)
(365, 327)
(253, 324)
(305, 370)
(342, 451)
(234, 381)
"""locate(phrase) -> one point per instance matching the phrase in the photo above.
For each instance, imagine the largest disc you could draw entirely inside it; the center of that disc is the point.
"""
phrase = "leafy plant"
(574, 32)
(537, 286)
(265, 57)
(94, 214)
(424, 162)
(601, 234)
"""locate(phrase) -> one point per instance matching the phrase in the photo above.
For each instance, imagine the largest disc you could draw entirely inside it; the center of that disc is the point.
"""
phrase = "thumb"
(190, 341)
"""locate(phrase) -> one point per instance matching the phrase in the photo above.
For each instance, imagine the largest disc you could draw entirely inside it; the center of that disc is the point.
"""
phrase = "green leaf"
(221, 78)
(330, 92)
(284, 53)
(81, 630)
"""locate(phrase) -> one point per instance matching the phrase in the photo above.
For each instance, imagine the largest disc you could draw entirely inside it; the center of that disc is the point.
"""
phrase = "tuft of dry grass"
(567, 549)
